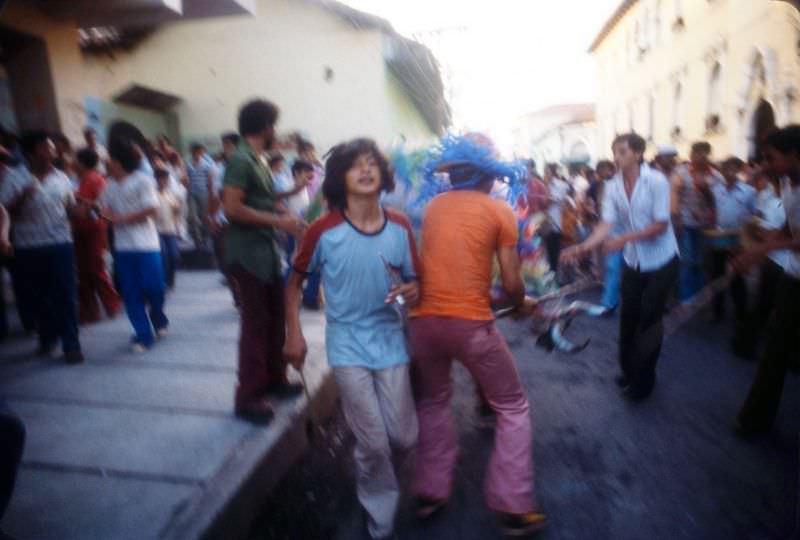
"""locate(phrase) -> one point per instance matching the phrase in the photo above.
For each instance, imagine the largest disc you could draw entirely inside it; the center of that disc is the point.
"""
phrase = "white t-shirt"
(580, 185)
(42, 218)
(559, 191)
(791, 205)
(133, 194)
(297, 203)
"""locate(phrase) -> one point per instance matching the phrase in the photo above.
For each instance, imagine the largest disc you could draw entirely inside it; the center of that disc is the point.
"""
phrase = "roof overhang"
(795, 3)
(611, 23)
(147, 98)
(121, 13)
(417, 70)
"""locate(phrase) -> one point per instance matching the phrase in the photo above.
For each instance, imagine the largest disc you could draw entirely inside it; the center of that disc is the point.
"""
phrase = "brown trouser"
(261, 362)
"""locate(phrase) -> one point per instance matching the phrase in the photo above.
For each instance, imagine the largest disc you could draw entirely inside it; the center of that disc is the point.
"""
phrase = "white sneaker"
(138, 348)
(161, 333)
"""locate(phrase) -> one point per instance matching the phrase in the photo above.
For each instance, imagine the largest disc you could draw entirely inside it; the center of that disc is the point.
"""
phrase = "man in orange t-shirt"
(462, 232)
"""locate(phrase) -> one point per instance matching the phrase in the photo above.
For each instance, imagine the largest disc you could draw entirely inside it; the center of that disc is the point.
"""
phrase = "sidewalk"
(145, 446)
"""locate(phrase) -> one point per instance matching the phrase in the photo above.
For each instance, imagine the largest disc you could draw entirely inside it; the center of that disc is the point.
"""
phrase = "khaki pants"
(379, 409)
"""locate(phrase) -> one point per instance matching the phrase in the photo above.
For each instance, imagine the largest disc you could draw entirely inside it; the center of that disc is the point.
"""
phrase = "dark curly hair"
(341, 158)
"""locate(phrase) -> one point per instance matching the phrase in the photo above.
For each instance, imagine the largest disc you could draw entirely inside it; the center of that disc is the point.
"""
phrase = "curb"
(229, 502)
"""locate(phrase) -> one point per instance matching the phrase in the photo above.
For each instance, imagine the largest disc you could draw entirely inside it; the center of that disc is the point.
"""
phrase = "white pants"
(379, 409)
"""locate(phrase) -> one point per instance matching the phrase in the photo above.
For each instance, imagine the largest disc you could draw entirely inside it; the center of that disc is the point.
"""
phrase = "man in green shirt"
(249, 200)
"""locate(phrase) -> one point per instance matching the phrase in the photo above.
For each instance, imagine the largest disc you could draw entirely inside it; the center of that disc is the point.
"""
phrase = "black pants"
(749, 334)
(644, 296)
(761, 406)
(552, 243)
(738, 288)
(12, 440)
(3, 307)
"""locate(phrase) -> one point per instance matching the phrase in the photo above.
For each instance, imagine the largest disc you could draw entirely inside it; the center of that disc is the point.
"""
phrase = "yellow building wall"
(735, 33)
(281, 54)
(405, 124)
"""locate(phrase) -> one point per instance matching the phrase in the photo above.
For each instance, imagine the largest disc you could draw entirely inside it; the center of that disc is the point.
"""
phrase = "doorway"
(763, 123)
(27, 94)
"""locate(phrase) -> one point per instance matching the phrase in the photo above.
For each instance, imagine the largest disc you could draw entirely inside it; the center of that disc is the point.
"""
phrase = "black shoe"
(742, 351)
(622, 381)
(748, 433)
(636, 393)
(608, 312)
(260, 412)
(522, 524)
(73, 357)
(47, 350)
(427, 507)
(284, 391)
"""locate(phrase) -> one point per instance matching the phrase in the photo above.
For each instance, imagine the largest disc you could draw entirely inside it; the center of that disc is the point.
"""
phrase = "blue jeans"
(611, 280)
(691, 278)
(47, 276)
(141, 280)
(170, 256)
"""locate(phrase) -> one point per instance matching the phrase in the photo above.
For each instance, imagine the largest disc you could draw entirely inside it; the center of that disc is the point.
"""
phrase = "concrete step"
(146, 446)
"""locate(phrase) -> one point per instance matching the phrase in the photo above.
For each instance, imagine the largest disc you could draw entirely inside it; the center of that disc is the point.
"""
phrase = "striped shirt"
(42, 218)
(198, 175)
(693, 204)
(649, 204)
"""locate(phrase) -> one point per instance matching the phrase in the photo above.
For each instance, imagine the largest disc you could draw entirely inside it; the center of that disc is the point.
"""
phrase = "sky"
(504, 57)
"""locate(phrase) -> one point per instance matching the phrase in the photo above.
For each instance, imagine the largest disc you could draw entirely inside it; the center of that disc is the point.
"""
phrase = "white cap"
(666, 150)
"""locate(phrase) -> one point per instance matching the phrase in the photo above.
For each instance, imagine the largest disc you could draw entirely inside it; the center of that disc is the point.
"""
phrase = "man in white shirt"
(40, 200)
(558, 195)
(757, 416)
(637, 203)
(692, 207)
(130, 203)
(734, 204)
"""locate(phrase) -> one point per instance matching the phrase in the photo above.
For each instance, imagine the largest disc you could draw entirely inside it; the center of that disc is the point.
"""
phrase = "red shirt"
(92, 185)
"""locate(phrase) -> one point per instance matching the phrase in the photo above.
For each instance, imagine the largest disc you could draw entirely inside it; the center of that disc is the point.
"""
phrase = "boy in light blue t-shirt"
(352, 247)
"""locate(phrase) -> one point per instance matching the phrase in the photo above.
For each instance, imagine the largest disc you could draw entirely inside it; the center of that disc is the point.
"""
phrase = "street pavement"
(669, 468)
(146, 446)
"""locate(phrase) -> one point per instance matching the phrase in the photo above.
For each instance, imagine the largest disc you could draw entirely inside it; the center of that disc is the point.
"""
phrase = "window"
(631, 120)
(677, 110)
(678, 22)
(645, 38)
(714, 106)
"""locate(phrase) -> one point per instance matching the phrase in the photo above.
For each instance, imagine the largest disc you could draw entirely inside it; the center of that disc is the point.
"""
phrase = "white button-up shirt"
(769, 209)
(649, 204)
(733, 206)
(791, 205)
(42, 218)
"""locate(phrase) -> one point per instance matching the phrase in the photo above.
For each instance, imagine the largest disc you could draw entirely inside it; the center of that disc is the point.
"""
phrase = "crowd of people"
(397, 316)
